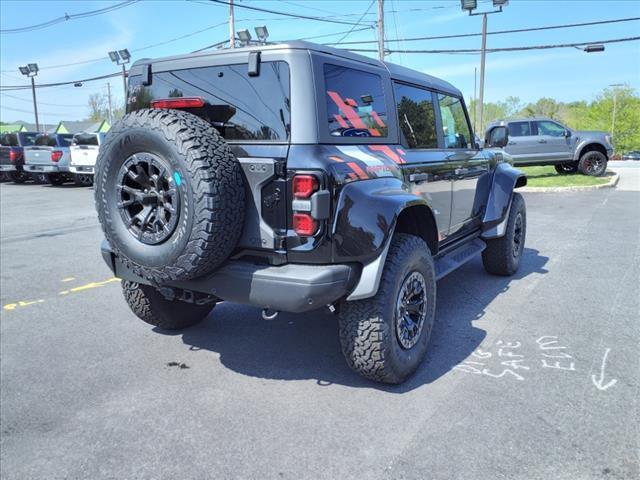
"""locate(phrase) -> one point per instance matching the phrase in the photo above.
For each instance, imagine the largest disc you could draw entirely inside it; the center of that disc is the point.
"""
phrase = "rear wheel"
(83, 179)
(40, 178)
(18, 176)
(502, 255)
(55, 179)
(152, 307)
(169, 195)
(593, 163)
(566, 168)
(384, 338)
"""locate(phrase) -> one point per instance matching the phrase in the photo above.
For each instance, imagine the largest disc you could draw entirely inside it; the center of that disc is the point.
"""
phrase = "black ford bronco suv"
(293, 177)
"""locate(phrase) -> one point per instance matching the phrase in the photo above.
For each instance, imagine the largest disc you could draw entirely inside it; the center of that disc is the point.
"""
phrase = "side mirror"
(498, 137)
(567, 133)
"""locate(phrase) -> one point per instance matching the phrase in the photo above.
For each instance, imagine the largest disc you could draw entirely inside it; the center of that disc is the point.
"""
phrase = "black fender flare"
(505, 180)
(366, 216)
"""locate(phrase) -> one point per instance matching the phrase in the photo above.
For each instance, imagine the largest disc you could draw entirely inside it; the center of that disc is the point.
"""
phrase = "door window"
(417, 117)
(519, 129)
(455, 127)
(551, 129)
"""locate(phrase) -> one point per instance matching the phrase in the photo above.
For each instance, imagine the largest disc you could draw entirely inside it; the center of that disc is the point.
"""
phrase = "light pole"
(31, 70)
(613, 117)
(121, 57)
(471, 5)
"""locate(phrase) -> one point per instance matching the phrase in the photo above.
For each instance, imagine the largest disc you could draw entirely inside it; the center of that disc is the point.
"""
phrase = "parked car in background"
(84, 151)
(12, 155)
(47, 160)
(634, 155)
(542, 141)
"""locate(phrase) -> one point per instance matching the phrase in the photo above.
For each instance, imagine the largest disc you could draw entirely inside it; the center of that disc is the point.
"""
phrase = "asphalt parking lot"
(532, 377)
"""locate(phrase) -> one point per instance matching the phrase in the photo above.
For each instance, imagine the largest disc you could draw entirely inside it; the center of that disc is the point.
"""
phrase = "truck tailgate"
(38, 156)
(84, 155)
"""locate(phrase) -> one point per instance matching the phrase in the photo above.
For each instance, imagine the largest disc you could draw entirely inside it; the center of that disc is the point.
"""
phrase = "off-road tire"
(593, 163)
(368, 335)
(566, 168)
(210, 189)
(83, 180)
(40, 178)
(151, 307)
(56, 179)
(501, 257)
(18, 176)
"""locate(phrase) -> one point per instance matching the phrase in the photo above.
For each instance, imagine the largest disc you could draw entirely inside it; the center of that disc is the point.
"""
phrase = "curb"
(613, 181)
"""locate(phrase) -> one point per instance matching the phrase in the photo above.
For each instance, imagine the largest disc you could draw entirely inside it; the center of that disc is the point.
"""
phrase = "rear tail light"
(305, 185)
(56, 155)
(304, 224)
(180, 102)
(13, 156)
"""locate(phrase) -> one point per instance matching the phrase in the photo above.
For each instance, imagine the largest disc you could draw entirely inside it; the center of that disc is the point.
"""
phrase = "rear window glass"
(239, 106)
(45, 141)
(9, 140)
(65, 139)
(27, 139)
(85, 139)
(519, 129)
(355, 103)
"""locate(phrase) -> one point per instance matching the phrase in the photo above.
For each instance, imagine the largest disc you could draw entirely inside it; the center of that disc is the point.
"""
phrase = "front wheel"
(593, 163)
(153, 308)
(384, 338)
(566, 168)
(502, 255)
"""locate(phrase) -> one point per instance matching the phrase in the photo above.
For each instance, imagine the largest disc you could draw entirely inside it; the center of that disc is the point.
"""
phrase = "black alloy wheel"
(411, 310)
(148, 199)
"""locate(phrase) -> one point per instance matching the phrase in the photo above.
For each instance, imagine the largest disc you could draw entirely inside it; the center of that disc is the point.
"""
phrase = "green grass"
(547, 177)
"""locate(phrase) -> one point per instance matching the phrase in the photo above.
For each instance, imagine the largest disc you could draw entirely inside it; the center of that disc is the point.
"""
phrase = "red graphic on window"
(377, 118)
(347, 110)
(341, 121)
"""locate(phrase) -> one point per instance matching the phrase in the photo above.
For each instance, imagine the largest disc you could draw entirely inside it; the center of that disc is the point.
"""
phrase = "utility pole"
(475, 98)
(381, 30)
(35, 105)
(483, 54)
(124, 82)
(232, 27)
(110, 110)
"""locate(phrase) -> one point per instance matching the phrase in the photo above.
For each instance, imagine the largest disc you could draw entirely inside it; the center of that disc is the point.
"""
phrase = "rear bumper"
(7, 168)
(81, 169)
(45, 168)
(288, 288)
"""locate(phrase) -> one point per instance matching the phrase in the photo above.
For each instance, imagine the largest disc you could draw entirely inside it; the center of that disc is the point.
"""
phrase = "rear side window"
(355, 102)
(454, 122)
(519, 129)
(65, 139)
(240, 107)
(417, 117)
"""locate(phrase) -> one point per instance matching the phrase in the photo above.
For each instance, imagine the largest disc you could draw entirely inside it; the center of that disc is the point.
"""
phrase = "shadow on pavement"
(306, 346)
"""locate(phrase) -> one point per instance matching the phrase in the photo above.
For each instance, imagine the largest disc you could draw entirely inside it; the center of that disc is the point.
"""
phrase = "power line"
(499, 32)
(6, 88)
(67, 17)
(286, 14)
(358, 22)
(41, 103)
(31, 111)
(507, 49)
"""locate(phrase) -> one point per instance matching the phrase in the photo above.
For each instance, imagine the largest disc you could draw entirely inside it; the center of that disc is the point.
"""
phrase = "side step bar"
(455, 258)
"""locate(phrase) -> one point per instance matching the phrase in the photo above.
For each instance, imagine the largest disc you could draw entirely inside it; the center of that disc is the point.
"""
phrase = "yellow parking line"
(68, 279)
(89, 286)
(21, 303)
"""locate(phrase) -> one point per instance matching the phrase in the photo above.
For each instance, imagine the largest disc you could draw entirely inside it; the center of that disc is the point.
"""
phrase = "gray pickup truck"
(47, 161)
(542, 141)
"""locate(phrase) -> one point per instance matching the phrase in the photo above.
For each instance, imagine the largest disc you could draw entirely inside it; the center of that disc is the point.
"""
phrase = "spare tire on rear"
(169, 194)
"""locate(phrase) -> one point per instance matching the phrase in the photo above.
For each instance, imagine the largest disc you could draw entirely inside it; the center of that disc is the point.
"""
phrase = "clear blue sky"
(565, 74)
